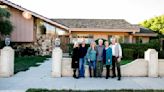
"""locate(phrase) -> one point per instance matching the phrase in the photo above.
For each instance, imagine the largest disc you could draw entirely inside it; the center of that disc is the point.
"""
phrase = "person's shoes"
(74, 76)
(113, 76)
(106, 77)
(119, 78)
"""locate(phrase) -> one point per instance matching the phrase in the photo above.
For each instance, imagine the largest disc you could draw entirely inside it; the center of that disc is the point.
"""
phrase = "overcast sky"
(134, 11)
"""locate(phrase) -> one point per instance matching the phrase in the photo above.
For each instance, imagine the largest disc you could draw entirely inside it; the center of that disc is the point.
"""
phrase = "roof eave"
(103, 30)
(146, 34)
(34, 14)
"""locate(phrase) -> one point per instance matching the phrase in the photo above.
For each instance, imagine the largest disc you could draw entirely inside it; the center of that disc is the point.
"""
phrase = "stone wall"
(42, 46)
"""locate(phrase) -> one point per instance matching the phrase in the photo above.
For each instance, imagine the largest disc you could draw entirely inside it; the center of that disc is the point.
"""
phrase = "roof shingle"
(96, 23)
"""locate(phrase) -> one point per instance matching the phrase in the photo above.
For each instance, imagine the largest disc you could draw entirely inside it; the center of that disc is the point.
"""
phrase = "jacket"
(107, 56)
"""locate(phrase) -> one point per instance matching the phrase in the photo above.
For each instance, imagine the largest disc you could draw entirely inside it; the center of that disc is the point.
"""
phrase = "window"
(120, 38)
(138, 39)
(80, 37)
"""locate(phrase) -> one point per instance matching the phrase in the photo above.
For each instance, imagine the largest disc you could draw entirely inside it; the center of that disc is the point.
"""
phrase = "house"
(105, 28)
(31, 29)
(38, 32)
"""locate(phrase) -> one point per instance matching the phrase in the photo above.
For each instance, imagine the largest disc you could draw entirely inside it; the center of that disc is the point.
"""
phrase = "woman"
(91, 56)
(107, 57)
(75, 59)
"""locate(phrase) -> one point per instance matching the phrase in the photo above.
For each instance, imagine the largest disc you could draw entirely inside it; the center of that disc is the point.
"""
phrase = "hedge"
(134, 50)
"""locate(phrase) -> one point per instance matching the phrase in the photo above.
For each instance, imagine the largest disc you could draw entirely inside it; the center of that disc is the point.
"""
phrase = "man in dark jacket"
(82, 54)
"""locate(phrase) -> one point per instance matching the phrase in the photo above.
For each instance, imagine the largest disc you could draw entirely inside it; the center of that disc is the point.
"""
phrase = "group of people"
(97, 56)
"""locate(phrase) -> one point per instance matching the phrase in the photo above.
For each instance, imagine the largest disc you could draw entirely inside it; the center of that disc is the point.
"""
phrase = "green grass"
(123, 62)
(24, 63)
(122, 90)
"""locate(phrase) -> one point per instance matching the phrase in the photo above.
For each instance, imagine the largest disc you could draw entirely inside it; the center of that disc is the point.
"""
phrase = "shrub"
(161, 54)
(98, 40)
(128, 54)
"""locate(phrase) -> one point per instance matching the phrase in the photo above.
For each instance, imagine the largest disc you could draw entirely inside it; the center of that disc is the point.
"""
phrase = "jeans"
(92, 68)
(81, 67)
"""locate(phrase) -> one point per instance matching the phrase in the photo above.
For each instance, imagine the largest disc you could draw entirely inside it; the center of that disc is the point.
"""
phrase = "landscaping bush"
(161, 54)
(27, 51)
(128, 54)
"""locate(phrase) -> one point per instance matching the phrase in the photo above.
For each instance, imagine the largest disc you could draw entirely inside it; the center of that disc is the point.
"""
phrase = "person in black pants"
(116, 57)
(75, 59)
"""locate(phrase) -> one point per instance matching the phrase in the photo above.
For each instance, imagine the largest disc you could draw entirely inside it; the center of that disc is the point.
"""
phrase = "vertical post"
(130, 39)
(151, 55)
(7, 62)
(56, 59)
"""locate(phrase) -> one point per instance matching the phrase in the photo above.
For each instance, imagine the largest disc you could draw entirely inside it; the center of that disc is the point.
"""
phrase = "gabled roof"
(33, 14)
(96, 23)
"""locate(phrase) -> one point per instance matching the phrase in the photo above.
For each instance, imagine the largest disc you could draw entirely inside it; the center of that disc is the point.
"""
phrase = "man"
(82, 54)
(116, 57)
(99, 63)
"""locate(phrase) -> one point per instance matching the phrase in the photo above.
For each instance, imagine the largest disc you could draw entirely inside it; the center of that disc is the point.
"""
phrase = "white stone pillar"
(151, 55)
(56, 62)
(7, 62)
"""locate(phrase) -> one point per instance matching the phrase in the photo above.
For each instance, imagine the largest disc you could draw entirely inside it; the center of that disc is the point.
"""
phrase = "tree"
(6, 26)
(156, 24)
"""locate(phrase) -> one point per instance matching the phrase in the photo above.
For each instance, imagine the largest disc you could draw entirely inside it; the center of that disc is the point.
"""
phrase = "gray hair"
(113, 38)
(100, 40)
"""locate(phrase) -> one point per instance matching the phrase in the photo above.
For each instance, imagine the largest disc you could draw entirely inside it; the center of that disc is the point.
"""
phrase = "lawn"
(24, 63)
(123, 62)
(123, 90)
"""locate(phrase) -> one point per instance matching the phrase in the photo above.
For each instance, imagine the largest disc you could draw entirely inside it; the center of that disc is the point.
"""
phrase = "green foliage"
(128, 53)
(156, 24)
(98, 40)
(4, 13)
(120, 90)
(6, 26)
(161, 54)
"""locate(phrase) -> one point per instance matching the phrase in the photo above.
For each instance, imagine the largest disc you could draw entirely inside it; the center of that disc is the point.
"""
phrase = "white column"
(56, 62)
(7, 62)
(151, 55)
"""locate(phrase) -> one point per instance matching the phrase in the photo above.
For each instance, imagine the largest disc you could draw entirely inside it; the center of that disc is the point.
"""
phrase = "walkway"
(40, 77)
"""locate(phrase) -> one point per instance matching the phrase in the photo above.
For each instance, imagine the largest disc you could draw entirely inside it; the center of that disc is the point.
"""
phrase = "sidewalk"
(40, 77)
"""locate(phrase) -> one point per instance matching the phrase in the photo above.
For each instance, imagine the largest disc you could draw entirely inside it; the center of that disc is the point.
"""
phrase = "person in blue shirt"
(91, 58)
(107, 58)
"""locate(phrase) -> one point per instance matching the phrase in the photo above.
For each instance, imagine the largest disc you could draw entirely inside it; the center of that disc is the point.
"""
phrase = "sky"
(133, 11)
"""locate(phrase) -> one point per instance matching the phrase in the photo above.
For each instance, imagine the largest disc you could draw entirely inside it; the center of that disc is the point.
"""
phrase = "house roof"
(33, 14)
(145, 32)
(96, 23)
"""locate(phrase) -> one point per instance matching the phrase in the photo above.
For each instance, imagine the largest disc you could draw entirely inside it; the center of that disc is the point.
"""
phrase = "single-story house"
(106, 28)
(38, 32)
(31, 29)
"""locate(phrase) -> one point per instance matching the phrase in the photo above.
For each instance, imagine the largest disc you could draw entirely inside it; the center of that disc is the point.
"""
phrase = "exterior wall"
(23, 28)
(145, 39)
(97, 35)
